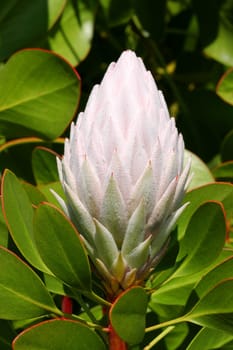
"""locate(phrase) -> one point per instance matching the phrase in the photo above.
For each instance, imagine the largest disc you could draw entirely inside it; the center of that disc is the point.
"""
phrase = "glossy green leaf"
(71, 37)
(39, 93)
(225, 86)
(215, 309)
(208, 338)
(18, 213)
(224, 171)
(56, 187)
(54, 285)
(222, 271)
(34, 194)
(61, 248)
(23, 294)
(222, 192)
(127, 315)
(44, 165)
(198, 249)
(201, 174)
(58, 335)
(17, 16)
(174, 292)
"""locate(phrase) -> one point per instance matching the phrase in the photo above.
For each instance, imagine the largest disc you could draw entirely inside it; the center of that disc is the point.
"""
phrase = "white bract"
(122, 173)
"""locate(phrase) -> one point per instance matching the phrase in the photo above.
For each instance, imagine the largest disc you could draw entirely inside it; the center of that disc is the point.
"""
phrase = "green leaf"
(221, 192)
(23, 294)
(34, 194)
(58, 335)
(18, 16)
(60, 247)
(174, 292)
(127, 315)
(198, 249)
(18, 213)
(224, 171)
(225, 86)
(44, 165)
(221, 49)
(215, 309)
(56, 187)
(211, 279)
(71, 37)
(39, 94)
(208, 338)
(200, 171)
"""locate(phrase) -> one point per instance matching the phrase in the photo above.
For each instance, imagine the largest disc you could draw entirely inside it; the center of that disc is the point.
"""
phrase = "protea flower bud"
(122, 174)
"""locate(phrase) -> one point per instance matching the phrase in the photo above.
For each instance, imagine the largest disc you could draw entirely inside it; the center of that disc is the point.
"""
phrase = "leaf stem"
(24, 140)
(98, 299)
(159, 337)
(166, 324)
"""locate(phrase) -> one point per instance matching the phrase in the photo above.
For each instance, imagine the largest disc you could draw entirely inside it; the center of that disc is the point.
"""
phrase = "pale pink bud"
(122, 173)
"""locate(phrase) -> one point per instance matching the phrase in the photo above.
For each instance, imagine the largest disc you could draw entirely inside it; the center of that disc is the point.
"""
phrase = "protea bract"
(122, 174)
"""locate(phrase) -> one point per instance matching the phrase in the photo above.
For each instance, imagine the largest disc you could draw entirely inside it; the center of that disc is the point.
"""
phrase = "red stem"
(67, 305)
(115, 342)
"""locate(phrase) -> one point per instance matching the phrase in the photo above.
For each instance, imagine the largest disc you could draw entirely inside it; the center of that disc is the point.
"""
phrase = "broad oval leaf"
(39, 93)
(222, 271)
(203, 240)
(61, 248)
(215, 309)
(222, 192)
(127, 315)
(23, 295)
(208, 338)
(58, 335)
(18, 16)
(18, 213)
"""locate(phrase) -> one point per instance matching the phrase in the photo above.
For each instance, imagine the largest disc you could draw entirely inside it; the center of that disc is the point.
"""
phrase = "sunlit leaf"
(71, 37)
(39, 93)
